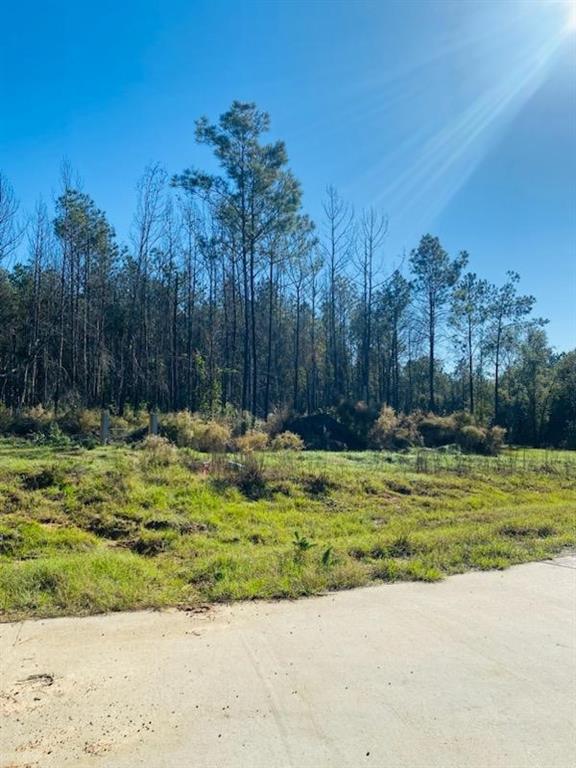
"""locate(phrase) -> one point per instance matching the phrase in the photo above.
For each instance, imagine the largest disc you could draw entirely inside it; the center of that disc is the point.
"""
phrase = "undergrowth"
(116, 528)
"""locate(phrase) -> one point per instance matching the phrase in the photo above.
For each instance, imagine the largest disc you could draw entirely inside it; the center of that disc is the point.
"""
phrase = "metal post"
(153, 423)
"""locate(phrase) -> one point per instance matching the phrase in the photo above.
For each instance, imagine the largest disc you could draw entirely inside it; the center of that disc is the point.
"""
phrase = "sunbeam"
(443, 161)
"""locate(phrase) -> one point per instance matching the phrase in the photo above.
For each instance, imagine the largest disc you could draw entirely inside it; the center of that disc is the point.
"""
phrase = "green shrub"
(475, 439)
(472, 439)
(181, 428)
(437, 430)
(34, 421)
(5, 419)
(301, 546)
(80, 422)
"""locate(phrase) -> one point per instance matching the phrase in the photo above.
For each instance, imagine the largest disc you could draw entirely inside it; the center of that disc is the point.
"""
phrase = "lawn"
(116, 528)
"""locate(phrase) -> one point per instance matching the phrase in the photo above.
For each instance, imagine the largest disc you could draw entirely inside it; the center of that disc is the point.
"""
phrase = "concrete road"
(475, 672)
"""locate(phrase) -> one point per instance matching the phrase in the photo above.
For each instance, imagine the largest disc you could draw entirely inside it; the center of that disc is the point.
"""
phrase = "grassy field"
(84, 531)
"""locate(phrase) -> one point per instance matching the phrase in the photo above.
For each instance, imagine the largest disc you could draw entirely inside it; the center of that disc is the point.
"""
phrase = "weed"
(37, 480)
(328, 557)
(250, 477)
(523, 530)
(151, 543)
(301, 546)
(401, 547)
(318, 485)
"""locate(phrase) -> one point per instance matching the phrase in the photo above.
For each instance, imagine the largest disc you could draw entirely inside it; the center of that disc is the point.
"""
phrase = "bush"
(158, 451)
(393, 432)
(287, 441)
(80, 422)
(249, 477)
(252, 441)
(383, 433)
(181, 428)
(472, 439)
(462, 419)
(34, 421)
(481, 440)
(5, 419)
(53, 436)
(133, 418)
(358, 418)
(495, 437)
(277, 420)
(187, 430)
(437, 430)
(213, 438)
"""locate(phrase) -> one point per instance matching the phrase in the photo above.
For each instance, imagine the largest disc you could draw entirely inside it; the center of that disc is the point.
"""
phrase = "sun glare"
(571, 21)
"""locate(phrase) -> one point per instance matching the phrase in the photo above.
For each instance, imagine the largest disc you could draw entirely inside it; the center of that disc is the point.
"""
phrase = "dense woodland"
(227, 296)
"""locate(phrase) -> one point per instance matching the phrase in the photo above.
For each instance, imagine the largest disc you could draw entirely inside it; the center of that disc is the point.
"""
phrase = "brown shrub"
(252, 441)
(213, 437)
(287, 441)
(393, 431)
(158, 451)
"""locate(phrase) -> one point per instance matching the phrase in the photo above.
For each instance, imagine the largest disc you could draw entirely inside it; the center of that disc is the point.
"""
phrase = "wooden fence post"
(104, 427)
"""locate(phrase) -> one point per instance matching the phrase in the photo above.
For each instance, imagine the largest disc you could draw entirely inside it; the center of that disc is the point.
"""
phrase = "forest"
(228, 297)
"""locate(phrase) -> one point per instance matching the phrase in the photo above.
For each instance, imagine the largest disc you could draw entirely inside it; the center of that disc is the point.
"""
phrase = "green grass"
(85, 531)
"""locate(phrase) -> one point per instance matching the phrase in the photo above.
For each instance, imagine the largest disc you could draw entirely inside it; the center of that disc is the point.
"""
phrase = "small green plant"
(328, 557)
(301, 546)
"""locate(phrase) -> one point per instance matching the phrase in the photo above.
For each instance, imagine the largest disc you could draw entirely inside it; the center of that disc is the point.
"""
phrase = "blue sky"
(456, 117)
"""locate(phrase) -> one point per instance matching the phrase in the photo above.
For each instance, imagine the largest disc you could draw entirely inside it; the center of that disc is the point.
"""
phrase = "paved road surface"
(475, 672)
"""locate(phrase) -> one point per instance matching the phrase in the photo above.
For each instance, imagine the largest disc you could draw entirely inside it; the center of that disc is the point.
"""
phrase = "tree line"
(227, 295)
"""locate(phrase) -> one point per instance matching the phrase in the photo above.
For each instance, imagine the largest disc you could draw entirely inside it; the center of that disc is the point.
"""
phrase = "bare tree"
(337, 248)
(373, 230)
(11, 229)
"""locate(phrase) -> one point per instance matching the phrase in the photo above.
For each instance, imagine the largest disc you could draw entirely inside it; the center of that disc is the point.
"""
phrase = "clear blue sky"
(456, 117)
